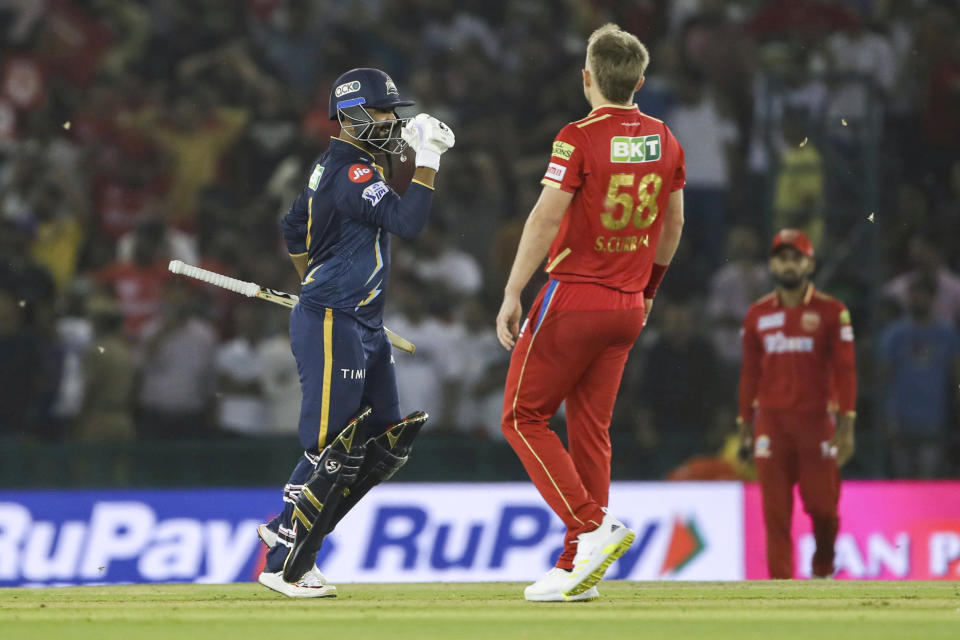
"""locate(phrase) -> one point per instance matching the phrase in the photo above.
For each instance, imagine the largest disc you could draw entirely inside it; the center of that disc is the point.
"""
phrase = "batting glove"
(429, 138)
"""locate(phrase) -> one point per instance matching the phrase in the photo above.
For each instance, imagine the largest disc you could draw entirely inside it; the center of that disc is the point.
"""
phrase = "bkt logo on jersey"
(640, 149)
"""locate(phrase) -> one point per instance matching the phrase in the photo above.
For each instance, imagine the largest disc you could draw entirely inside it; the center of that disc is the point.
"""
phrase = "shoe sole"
(326, 591)
(586, 596)
(612, 552)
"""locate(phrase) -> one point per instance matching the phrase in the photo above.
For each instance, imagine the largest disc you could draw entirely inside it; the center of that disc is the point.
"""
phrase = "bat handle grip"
(248, 289)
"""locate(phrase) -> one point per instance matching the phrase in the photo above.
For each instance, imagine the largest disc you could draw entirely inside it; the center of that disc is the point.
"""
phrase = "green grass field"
(702, 611)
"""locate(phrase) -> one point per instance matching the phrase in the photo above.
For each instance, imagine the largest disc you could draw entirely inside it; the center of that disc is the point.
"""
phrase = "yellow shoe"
(596, 551)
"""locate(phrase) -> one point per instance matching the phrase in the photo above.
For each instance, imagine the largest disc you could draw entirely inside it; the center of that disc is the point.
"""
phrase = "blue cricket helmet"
(358, 90)
(366, 88)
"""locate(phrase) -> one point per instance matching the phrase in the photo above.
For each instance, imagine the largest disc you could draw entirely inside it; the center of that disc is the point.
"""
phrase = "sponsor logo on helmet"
(391, 88)
(347, 87)
(331, 466)
(562, 150)
(639, 149)
(359, 173)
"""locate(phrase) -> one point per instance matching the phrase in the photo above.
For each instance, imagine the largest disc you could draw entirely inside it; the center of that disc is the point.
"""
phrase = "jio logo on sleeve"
(359, 173)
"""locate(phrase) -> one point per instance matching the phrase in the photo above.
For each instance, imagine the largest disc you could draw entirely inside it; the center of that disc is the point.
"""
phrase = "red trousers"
(570, 350)
(789, 450)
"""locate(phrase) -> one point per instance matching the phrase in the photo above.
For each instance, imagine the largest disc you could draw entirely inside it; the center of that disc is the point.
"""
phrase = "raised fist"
(429, 138)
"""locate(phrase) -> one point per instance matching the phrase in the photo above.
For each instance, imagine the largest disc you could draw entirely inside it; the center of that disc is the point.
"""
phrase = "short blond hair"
(617, 60)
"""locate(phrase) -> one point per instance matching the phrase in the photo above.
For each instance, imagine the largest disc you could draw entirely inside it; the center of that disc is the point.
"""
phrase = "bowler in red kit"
(798, 358)
(608, 221)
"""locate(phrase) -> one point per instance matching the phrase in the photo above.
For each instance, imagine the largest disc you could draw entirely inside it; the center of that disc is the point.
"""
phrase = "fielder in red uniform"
(611, 214)
(798, 356)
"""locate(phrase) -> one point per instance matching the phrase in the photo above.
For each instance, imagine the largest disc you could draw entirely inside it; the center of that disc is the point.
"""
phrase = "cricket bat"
(253, 290)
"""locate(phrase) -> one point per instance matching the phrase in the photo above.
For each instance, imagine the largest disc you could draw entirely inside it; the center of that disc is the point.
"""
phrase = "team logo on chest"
(810, 321)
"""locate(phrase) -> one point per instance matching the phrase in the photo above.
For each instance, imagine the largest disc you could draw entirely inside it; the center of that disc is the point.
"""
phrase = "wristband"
(656, 275)
(428, 158)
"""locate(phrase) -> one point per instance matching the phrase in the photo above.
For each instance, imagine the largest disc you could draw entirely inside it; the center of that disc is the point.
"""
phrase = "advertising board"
(400, 532)
(888, 530)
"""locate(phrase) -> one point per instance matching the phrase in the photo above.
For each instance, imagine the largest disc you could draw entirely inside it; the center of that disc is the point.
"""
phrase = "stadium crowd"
(135, 132)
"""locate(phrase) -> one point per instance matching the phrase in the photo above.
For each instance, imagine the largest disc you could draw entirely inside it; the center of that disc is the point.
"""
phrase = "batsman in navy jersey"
(338, 235)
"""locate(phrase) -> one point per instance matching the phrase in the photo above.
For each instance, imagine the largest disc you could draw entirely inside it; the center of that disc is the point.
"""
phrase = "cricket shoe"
(548, 589)
(596, 551)
(267, 535)
(313, 584)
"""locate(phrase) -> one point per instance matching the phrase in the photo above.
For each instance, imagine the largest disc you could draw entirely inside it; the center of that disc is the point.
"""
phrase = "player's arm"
(377, 204)
(293, 226)
(666, 248)
(750, 370)
(405, 217)
(844, 367)
(539, 231)
(672, 225)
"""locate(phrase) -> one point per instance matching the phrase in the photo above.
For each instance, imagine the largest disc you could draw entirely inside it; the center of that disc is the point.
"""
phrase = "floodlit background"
(135, 132)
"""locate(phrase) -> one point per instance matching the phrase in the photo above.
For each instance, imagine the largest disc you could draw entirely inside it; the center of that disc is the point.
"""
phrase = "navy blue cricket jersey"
(343, 220)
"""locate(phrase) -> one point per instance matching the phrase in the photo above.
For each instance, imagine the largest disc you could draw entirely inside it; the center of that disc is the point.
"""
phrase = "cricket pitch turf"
(837, 610)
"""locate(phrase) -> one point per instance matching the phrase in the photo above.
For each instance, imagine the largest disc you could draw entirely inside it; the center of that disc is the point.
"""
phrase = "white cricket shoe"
(267, 536)
(596, 551)
(548, 589)
(313, 584)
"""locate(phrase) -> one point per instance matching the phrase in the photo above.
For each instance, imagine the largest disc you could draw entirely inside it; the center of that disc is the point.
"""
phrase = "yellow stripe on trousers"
(516, 427)
(327, 377)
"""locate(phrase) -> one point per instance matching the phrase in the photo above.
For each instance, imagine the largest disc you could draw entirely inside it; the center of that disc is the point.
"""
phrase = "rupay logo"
(639, 149)
(121, 541)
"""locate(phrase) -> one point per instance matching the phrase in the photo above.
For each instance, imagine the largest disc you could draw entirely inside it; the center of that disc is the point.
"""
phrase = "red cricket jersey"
(797, 357)
(621, 165)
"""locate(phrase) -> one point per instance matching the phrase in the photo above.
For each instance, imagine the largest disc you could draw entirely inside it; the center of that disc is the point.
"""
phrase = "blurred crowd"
(139, 131)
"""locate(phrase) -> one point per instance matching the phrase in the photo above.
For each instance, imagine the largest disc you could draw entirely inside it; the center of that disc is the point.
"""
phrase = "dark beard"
(790, 283)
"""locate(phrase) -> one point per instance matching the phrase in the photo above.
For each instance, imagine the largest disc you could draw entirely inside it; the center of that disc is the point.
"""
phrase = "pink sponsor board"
(888, 530)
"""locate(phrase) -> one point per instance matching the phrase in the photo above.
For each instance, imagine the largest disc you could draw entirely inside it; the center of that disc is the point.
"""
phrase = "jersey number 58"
(643, 210)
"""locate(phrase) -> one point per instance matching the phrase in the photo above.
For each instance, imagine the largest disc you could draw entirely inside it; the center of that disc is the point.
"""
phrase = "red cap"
(792, 238)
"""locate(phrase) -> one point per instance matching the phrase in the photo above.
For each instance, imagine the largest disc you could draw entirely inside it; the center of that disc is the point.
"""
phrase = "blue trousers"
(343, 366)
